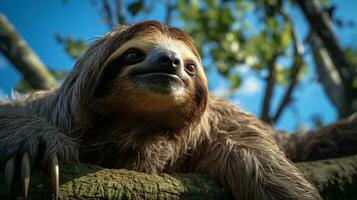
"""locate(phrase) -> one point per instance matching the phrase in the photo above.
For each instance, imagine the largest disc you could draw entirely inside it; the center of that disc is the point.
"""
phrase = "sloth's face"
(154, 73)
(159, 65)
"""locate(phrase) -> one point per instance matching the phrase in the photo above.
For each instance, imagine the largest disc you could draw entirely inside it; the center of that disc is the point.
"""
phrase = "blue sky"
(38, 20)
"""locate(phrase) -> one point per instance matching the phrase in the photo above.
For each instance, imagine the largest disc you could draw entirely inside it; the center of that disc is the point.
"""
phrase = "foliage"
(351, 55)
(74, 47)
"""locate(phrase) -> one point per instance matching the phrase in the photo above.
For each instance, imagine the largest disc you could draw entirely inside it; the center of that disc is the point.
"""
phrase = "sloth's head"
(146, 70)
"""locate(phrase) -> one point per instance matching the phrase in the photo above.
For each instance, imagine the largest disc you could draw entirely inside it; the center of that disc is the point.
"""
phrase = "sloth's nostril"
(176, 61)
(165, 60)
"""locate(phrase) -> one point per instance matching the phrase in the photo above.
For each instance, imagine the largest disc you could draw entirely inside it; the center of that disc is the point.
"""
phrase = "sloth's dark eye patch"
(111, 70)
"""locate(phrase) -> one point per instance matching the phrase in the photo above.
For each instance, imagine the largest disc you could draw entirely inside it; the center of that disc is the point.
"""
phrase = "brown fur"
(116, 124)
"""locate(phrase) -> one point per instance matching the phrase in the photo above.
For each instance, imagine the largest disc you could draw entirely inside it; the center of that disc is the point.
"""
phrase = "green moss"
(335, 178)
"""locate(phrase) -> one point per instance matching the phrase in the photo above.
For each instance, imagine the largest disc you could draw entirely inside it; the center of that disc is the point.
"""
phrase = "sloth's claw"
(25, 170)
(54, 170)
(9, 173)
(25, 174)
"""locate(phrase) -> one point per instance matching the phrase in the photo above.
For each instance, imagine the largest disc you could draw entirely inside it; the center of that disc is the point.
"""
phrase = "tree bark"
(23, 58)
(335, 179)
(269, 89)
(321, 24)
(328, 74)
(332, 141)
(92, 182)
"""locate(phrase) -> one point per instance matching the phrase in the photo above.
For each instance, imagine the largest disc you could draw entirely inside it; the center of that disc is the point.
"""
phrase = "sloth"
(138, 99)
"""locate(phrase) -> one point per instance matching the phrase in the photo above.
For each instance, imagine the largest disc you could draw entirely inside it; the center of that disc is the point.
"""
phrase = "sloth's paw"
(25, 171)
(35, 150)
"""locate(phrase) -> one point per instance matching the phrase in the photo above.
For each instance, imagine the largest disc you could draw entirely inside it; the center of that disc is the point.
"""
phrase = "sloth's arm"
(252, 173)
(25, 139)
(242, 156)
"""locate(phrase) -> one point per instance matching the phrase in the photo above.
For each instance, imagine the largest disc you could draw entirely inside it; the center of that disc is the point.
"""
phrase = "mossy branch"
(335, 179)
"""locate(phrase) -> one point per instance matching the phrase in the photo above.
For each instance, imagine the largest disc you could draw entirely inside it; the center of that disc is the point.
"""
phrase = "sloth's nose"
(169, 59)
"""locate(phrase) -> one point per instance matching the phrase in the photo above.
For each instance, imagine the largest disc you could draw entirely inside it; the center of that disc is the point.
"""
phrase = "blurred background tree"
(238, 39)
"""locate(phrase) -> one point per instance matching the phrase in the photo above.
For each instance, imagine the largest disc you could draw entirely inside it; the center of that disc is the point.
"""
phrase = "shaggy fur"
(98, 117)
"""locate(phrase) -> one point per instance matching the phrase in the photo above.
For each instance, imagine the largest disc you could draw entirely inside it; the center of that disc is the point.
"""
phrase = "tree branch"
(120, 11)
(108, 16)
(92, 182)
(321, 24)
(170, 7)
(335, 179)
(331, 141)
(295, 69)
(23, 58)
(328, 75)
(270, 83)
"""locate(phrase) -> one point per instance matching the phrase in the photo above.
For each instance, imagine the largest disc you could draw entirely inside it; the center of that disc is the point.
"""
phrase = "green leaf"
(351, 54)
(303, 71)
(325, 2)
(286, 37)
(283, 75)
(272, 23)
(354, 83)
(243, 6)
(74, 47)
(222, 68)
(235, 81)
(226, 16)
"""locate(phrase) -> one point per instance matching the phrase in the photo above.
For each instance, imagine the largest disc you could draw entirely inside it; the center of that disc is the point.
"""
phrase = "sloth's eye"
(190, 69)
(134, 55)
(131, 56)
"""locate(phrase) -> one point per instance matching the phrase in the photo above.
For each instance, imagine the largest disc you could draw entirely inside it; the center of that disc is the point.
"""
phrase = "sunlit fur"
(123, 125)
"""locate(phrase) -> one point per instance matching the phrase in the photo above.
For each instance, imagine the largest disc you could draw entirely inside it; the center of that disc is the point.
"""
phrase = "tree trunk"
(328, 74)
(321, 25)
(24, 59)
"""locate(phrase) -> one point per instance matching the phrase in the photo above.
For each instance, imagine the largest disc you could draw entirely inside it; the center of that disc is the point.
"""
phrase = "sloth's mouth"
(156, 73)
(162, 80)
(159, 75)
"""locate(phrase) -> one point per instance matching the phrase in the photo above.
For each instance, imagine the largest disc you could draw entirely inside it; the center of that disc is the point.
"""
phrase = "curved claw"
(9, 173)
(25, 174)
(54, 169)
